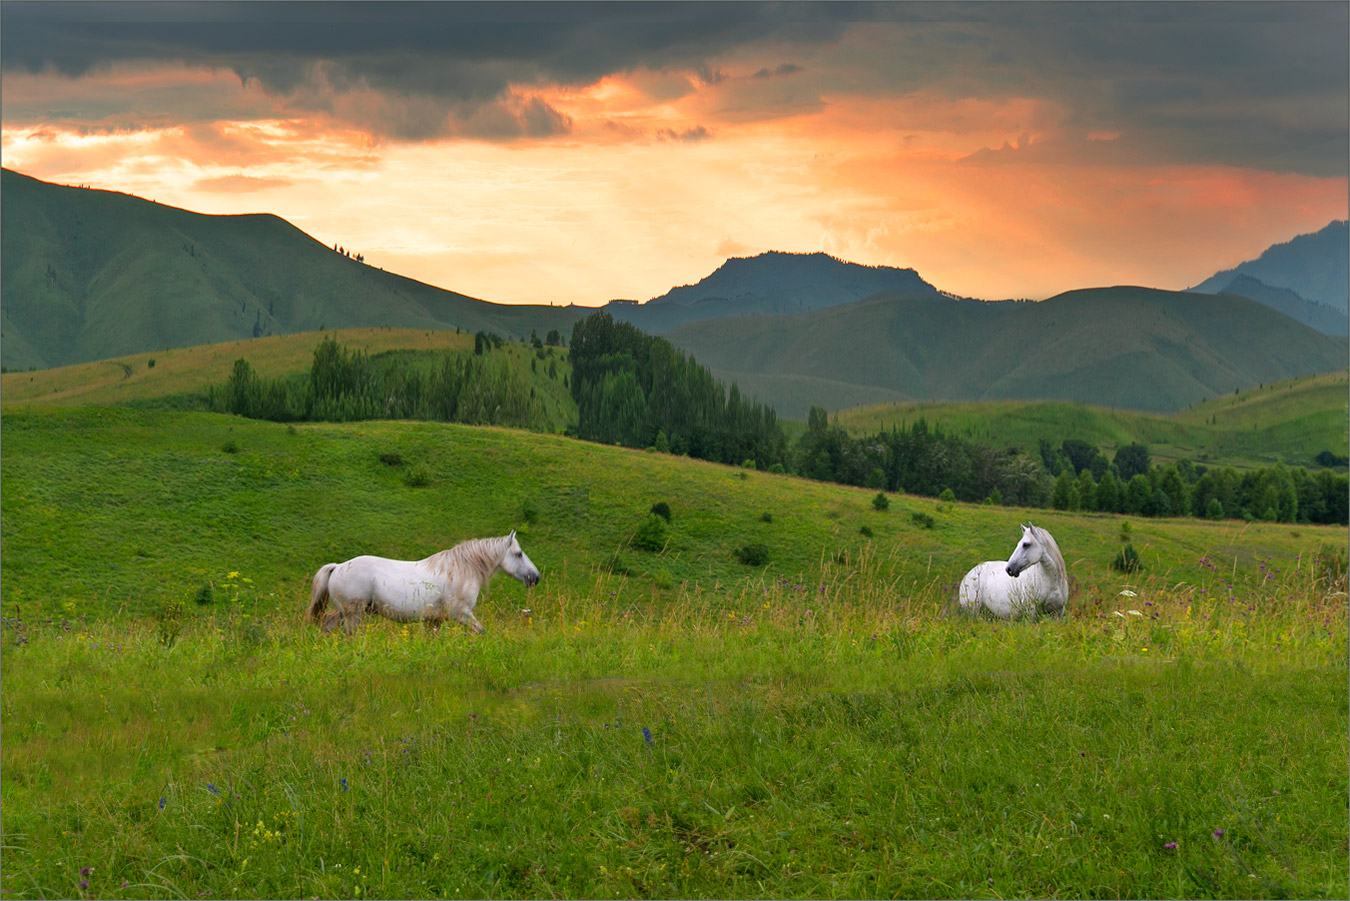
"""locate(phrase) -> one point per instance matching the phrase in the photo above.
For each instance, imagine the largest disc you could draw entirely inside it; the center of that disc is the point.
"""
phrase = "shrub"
(150, 364)
(205, 596)
(529, 510)
(616, 565)
(1127, 561)
(865, 531)
(881, 502)
(391, 458)
(947, 496)
(230, 447)
(766, 517)
(418, 477)
(923, 520)
(754, 554)
(661, 509)
(776, 468)
(748, 463)
(650, 534)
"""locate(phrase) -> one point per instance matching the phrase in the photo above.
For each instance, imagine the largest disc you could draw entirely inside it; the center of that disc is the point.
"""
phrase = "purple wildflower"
(84, 885)
(162, 802)
(211, 787)
(1171, 846)
(1218, 833)
(85, 871)
(647, 736)
(344, 783)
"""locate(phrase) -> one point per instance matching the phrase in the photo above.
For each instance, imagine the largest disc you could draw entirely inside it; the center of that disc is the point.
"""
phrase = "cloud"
(240, 184)
(1260, 85)
(688, 135)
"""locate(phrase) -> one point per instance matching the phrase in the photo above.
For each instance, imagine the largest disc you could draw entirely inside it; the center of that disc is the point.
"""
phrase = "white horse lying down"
(1032, 582)
(443, 586)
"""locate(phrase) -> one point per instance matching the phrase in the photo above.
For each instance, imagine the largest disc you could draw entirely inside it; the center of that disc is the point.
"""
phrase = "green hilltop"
(1289, 421)
(91, 275)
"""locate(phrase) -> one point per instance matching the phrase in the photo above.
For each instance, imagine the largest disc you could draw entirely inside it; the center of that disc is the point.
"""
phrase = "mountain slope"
(1327, 320)
(771, 283)
(1126, 347)
(1315, 266)
(90, 275)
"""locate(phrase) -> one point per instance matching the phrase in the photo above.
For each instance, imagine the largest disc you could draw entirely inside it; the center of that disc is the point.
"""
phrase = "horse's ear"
(512, 536)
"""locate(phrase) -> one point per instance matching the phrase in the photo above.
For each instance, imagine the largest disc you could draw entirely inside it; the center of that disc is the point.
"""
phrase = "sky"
(577, 153)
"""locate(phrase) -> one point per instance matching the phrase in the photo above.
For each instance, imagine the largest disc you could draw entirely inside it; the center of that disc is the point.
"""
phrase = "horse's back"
(988, 585)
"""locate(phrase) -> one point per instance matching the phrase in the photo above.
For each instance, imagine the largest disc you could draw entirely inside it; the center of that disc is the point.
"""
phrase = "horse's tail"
(318, 598)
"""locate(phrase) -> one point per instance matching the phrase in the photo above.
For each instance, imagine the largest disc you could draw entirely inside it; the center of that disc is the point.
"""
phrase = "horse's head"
(516, 565)
(1029, 552)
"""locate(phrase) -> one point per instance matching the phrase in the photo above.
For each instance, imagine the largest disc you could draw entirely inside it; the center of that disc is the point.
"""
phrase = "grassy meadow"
(1289, 421)
(642, 723)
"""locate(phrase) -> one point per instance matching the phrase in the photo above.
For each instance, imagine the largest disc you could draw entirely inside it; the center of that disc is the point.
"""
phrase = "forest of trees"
(1074, 476)
(639, 391)
(344, 385)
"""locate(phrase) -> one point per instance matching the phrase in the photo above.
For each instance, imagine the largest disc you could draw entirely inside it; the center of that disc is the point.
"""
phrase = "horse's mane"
(477, 555)
(1049, 541)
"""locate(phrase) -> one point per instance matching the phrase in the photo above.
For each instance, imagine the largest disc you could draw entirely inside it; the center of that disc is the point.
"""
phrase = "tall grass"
(845, 735)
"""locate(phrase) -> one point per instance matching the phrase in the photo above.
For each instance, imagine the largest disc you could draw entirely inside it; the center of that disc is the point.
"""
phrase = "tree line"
(345, 385)
(638, 390)
(1076, 475)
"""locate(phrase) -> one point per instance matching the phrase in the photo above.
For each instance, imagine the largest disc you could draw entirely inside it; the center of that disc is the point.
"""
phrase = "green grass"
(819, 726)
(1290, 421)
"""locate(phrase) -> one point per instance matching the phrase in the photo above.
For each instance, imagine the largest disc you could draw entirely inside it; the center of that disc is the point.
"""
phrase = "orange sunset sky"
(575, 153)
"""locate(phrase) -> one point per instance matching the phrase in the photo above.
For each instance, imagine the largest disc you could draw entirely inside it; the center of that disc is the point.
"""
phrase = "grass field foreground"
(642, 724)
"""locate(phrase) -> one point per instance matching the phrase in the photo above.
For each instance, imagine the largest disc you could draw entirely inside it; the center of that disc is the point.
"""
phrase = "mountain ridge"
(1315, 266)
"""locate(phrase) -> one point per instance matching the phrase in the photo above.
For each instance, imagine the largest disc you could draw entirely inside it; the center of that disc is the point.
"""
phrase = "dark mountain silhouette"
(1315, 266)
(1327, 320)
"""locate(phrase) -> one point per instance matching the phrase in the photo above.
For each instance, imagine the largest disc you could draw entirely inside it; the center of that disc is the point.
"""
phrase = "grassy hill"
(1290, 421)
(1128, 348)
(92, 275)
(640, 723)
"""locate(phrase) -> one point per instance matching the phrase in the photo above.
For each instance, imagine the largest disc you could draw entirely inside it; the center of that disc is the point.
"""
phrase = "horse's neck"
(478, 557)
(1052, 564)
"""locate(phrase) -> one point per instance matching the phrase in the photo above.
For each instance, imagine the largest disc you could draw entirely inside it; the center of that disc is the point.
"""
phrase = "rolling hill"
(1290, 421)
(89, 275)
(1124, 347)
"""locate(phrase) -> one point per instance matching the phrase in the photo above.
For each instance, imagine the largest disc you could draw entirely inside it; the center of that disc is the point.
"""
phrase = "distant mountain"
(1327, 320)
(1315, 266)
(1125, 347)
(772, 283)
(90, 275)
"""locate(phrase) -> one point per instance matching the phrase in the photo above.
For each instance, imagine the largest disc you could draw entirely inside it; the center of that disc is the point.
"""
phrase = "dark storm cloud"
(1249, 84)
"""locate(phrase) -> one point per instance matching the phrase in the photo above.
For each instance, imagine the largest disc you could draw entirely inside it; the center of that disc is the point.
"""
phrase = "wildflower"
(84, 885)
(211, 787)
(233, 575)
(1218, 833)
(1171, 846)
(85, 871)
(162, 802)
(344, 783)
(647, 735)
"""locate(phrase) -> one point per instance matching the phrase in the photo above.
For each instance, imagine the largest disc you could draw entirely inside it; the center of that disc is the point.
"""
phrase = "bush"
(651, 534)
(947, 496)
(865, 531)
(661, 509)
(206, 595)
(766, 517)
(529, 510)
(1127, 561)
(923, 520)
(776, 468)
(881, 502)
(748, 463)
(230, 447)
(391, 458)
(755, 554)
(418, 477)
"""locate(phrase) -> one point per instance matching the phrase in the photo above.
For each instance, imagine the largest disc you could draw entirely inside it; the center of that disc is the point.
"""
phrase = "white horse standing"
(443, 586)
(1032, 582)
